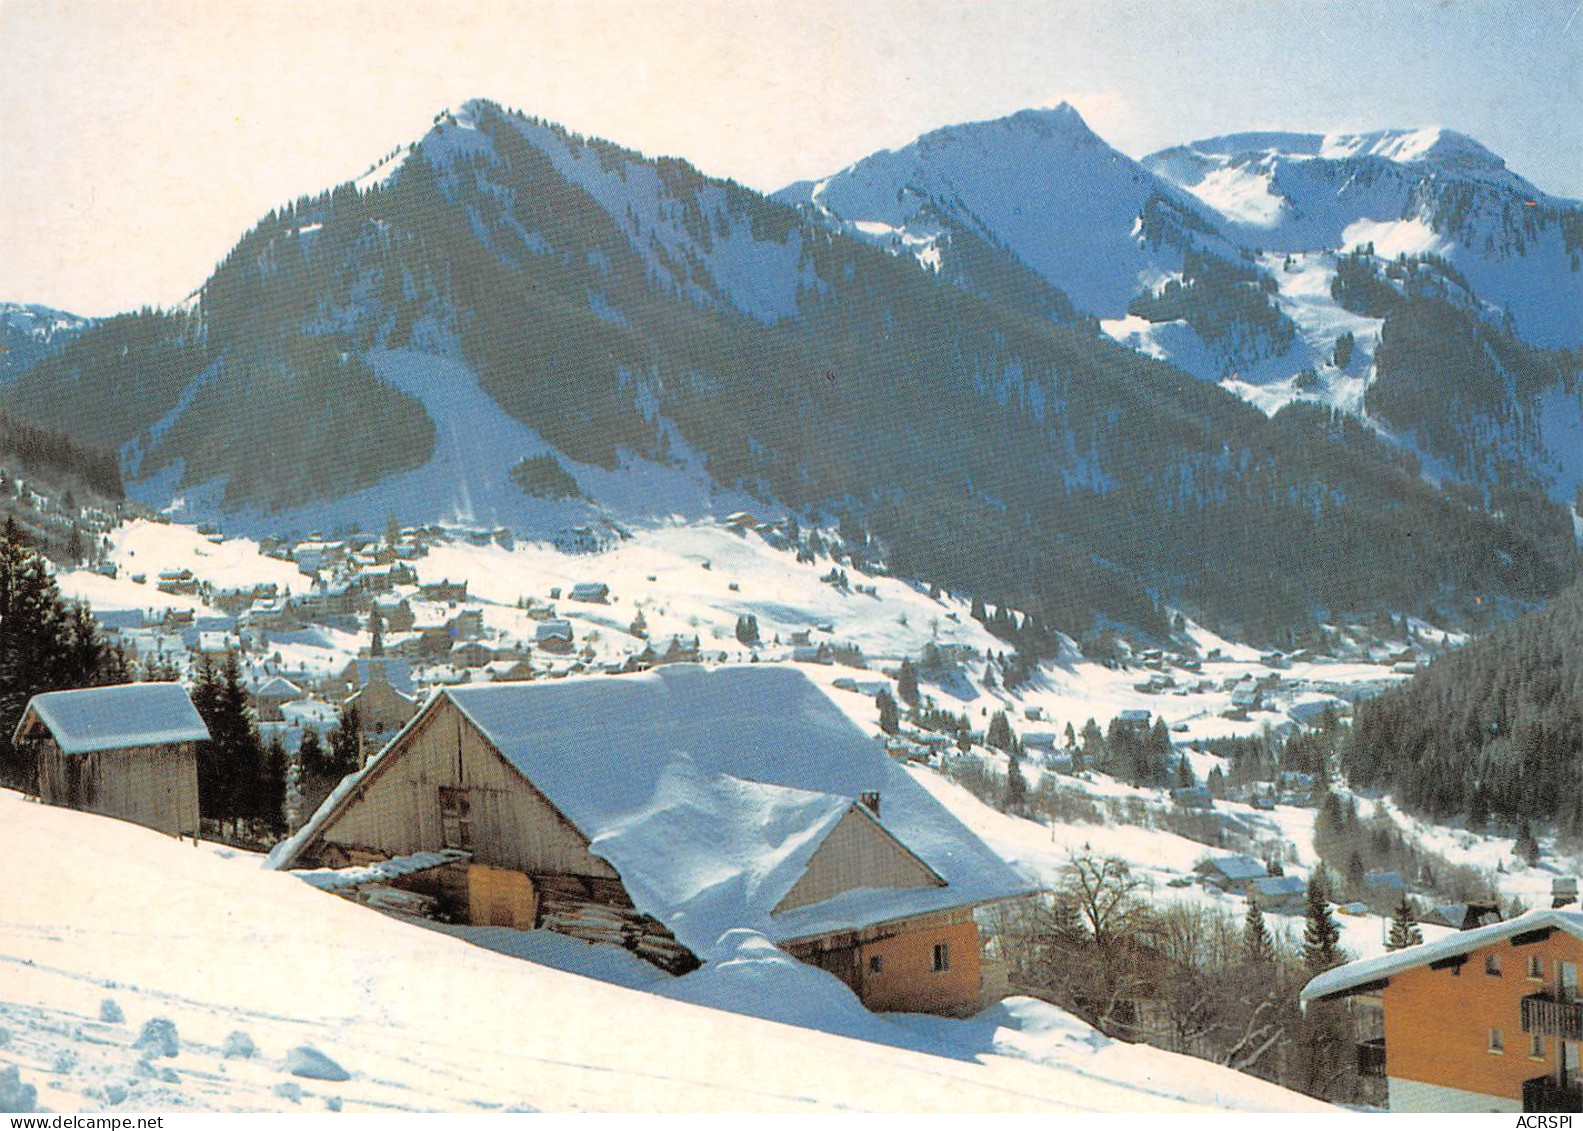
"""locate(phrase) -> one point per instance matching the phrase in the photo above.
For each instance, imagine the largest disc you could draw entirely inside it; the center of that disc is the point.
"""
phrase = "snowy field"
(120, 947)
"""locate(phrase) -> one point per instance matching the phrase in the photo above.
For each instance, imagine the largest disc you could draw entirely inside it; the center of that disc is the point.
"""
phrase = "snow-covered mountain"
(1413, 192)
(1231, 258)
(507, 323)
(29, 332)
(1040, 185)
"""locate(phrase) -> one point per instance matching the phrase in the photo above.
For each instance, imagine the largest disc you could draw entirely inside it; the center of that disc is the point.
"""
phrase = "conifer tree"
(907, 683)
(1321, 934)
(999, 734)
(346, 742)
(1156, 755)
(376, 633)
(211, 778)
(1527, 845)
(46, 644)
(272, 791)
(294, 797)
(748, 630)
(889, 720)
(1404, 926)
(231, 771)
(1093, 744)
(311, 755)
(1257, 946)
(1016, 786)
(1184, 774)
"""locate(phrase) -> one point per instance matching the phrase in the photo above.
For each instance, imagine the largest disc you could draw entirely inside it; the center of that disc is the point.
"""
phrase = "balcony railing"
(1550, 1017)
(1371, 1057)
(1543, 1094)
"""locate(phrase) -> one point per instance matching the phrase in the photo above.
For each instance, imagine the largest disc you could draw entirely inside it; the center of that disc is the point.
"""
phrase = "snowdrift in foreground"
(248, 965)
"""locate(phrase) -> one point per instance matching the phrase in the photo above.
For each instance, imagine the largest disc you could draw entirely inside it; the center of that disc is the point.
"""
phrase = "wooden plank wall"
(154, 786)
(857, 853)
(512, 825)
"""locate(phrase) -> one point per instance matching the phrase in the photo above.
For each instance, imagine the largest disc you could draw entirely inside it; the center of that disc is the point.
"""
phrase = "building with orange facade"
(661, 811)
(1489, 1019)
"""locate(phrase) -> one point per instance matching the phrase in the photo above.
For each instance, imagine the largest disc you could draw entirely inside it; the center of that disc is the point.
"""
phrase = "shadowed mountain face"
(30, 332)
(509, 291)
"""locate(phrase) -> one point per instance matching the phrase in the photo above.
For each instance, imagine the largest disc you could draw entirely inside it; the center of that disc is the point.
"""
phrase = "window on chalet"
(1492, 965)
(1497, 1041)
(942, 957)
(876, 964)
(1536, 968)
(1536, 1047)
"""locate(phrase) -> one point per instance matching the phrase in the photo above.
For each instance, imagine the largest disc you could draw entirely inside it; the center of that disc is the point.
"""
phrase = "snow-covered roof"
(113, 718)
(1280, 885)
(310, 712)
(1392, 880)
(709, 791)
(1369, 970)
(279, 687)
(382, 871)
(1239, 867)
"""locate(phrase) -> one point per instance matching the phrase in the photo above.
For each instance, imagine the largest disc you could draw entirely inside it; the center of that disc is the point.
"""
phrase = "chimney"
(869, 799)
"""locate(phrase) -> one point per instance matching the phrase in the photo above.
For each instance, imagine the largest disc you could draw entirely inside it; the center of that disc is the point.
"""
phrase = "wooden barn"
(658, 811)
(129, 751)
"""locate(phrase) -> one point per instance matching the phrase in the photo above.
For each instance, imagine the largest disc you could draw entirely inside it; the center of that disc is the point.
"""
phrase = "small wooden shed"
(129, 751)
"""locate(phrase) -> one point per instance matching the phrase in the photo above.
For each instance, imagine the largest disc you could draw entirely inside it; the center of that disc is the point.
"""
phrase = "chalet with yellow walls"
(658, 811)
(1483, 1020)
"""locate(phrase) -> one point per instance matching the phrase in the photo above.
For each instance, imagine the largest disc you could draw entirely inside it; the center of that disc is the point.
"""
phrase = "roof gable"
(857, 853)
(113, 718)
(278, 687)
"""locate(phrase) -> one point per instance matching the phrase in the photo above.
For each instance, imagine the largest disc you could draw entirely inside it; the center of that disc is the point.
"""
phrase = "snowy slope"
(467, 480)
(113, 927)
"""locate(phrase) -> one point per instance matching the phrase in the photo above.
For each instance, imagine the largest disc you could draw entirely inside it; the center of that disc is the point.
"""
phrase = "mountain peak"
(1042, 122)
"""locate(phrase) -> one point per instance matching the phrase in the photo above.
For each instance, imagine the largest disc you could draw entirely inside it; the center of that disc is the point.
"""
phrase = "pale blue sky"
(138, 139)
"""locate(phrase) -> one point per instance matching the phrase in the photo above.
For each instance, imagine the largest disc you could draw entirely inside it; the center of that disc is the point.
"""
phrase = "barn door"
(456, 820)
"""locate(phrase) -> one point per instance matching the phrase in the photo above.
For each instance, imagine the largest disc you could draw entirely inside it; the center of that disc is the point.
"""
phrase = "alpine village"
(999, 625)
